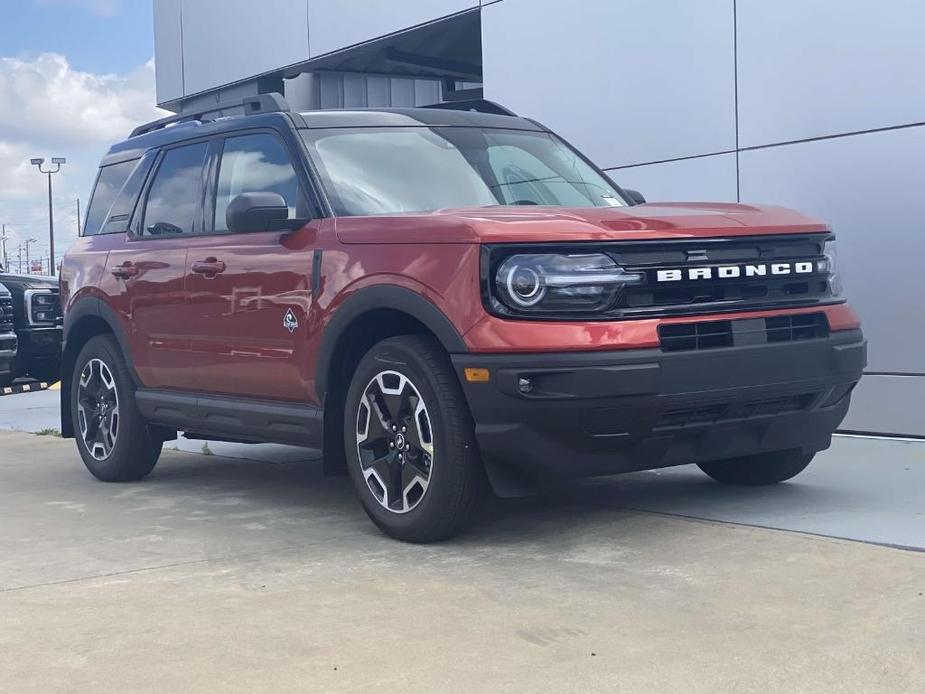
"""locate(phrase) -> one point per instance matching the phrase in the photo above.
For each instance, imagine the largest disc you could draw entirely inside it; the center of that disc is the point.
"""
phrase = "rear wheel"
(113, 439)
(410, 441)
(758, 470)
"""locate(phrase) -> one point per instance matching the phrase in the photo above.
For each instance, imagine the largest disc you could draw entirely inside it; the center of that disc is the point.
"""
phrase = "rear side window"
(255, 163)
(121, 211)
(174, 196)
(108, 184)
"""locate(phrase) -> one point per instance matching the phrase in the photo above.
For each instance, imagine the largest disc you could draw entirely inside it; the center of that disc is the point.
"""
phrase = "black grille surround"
(687, 296)
(6, 315)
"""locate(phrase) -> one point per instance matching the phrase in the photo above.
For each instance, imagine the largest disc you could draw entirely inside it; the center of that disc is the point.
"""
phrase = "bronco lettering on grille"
(734, 271)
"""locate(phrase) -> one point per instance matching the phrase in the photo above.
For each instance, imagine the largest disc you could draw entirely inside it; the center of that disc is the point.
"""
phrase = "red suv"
(440, 297)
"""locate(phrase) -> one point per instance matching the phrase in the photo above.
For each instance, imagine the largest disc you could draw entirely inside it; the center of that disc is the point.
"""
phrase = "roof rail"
(479, 105)
(259, 103)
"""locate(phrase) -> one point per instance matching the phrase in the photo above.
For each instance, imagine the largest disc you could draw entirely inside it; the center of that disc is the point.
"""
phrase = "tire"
(128, 452)
(758, 470)
(425, 497)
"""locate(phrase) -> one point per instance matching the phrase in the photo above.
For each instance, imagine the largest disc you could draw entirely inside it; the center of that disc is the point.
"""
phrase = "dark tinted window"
(121, 210)
(108, 184)
(254, 164)
(175, 192)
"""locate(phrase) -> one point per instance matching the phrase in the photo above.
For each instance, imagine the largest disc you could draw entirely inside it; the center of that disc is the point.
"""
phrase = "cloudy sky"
(75, 75)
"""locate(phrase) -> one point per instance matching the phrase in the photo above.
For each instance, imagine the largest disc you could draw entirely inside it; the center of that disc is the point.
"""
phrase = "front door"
(249, 291)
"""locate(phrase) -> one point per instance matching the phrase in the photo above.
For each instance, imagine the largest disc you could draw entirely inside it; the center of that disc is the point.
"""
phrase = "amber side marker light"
(477, 375)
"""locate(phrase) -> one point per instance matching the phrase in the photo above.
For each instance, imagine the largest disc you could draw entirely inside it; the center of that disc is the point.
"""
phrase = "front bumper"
(8, 347)
(42, 344)
(596, 413)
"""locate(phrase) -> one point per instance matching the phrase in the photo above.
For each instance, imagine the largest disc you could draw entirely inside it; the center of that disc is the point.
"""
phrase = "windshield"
(393, 170)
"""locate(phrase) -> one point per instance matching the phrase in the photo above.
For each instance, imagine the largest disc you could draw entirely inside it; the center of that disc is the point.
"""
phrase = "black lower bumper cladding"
(596, 413)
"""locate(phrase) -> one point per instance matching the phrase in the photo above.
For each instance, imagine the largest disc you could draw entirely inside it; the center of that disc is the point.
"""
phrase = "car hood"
(28, 281)
(539, 224)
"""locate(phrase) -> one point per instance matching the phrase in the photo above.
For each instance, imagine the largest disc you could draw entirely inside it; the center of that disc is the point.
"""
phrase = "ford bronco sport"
(438, 298)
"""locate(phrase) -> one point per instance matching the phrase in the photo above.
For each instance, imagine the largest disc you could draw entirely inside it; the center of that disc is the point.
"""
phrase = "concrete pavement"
(221, 574)
(862, 489)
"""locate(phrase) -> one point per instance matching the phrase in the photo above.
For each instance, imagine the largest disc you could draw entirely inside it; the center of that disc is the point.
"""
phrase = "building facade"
(813, 104)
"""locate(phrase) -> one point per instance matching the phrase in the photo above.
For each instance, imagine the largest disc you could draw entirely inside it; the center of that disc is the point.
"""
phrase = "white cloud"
(46, 97)
(48, 109)
(15, 170)
(103, 8)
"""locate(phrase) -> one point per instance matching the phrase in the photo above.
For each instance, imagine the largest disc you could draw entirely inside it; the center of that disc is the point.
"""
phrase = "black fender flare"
(392, 297)
(97, 308)
(88, 306)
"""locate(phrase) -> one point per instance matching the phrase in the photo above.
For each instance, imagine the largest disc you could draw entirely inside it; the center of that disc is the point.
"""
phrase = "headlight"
(560, 282)
(42, 306)
(830, 265)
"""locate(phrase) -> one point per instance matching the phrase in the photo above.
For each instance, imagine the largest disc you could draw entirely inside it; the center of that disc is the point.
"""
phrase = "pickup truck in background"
(36, 313)
(7, 338)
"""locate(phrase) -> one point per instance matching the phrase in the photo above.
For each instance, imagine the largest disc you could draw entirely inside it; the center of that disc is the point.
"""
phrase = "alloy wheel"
(395, 442)
(98, 409)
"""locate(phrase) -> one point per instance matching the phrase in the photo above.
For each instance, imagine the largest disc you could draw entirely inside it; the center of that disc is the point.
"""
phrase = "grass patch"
(48, 432)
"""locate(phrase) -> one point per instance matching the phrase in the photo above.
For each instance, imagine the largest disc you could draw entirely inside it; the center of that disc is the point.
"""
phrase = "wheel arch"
(366, 318)
(86, 318)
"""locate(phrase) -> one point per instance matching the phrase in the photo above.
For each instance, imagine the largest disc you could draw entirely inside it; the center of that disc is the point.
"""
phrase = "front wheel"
(410, 441)
(112, 437)
(758, 470)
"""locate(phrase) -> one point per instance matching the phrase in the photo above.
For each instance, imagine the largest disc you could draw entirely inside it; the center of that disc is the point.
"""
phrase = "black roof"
(186, 126)
(425, 116)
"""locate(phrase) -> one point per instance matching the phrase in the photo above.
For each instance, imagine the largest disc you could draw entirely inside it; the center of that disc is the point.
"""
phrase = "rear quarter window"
(108, 184)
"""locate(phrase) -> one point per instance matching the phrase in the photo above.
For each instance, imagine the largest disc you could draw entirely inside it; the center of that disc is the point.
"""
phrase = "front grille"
(714, 414)
(708, 291)
(685, 337)
(6, 315)
(621, 421)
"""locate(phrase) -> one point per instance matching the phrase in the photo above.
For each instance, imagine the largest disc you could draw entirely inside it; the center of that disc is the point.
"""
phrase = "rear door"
(145, 274)
(250, 290)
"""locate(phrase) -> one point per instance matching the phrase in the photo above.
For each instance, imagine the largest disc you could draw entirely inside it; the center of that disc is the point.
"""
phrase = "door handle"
(208, 267)
(125, 271)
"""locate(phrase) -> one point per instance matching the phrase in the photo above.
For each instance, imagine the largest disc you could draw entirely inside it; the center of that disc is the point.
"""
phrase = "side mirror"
(256, 212)
(635, 196)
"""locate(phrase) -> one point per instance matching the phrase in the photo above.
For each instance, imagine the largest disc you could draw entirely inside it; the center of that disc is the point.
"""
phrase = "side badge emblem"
(290, 322)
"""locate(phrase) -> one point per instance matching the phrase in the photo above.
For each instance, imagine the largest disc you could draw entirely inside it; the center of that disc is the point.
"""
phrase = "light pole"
(28, 264)
(57, 161)
(3, 239)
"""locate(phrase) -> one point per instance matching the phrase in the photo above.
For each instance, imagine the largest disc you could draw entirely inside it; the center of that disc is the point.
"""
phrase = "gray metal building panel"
(888, 405)
(703, 178)
(337, 25)
(810, 68)
(869, 188)
(629, 82)
(230, 40)
(168, 50)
